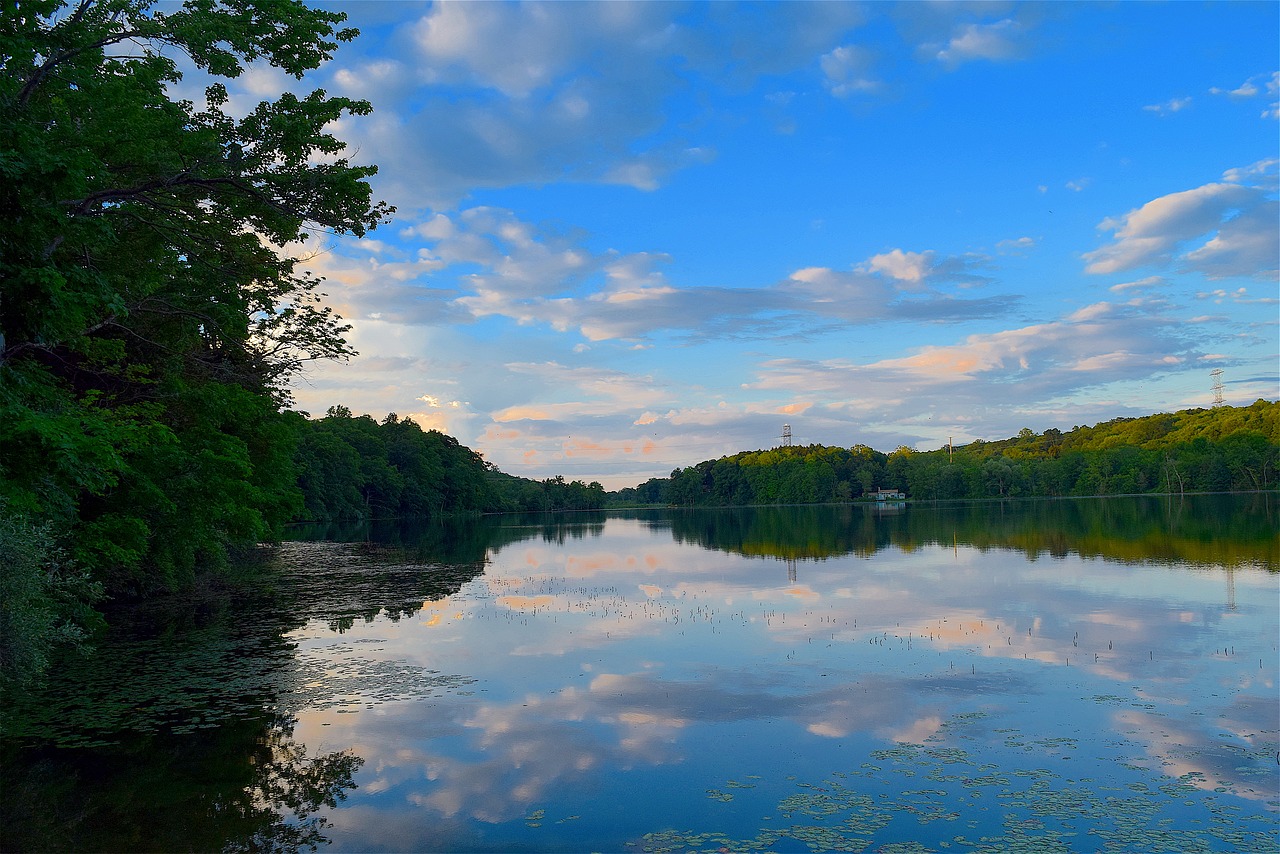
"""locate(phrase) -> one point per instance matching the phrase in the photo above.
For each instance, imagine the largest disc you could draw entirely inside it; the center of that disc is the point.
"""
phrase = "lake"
(1056, 675)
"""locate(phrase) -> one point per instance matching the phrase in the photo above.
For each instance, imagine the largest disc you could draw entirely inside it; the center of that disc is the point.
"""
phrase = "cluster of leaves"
(357, 469)
(150, 319)
(523, 495)
(796, 474)
(46, 600)
(354, 468)
(1197, 450)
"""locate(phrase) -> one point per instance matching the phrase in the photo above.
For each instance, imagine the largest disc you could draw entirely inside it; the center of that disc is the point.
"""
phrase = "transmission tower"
(1216, 373)
(786, 435)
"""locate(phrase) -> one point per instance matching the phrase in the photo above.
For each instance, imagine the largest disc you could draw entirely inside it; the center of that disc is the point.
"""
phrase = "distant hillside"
(1196, 450)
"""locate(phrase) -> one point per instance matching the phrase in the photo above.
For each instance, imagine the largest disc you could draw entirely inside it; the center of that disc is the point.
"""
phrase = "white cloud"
(1030, 366)
(856, 294)
(904, 266)
(1245, 90)
(383, 79)
(485, 262)
(1016, 246)
(1253, 87)
(488, 95)
(1140, 284)
(1238, 296)
(618, 388)
(1250, 87)
(1151, 234)
(515, 49)
(491, 95)
(847, 71)
(646, 171)
(993, 41)
(1261, 174)
(1247, 245)
(1173, 105)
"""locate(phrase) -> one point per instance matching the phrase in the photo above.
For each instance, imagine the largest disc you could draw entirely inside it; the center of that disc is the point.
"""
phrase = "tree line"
(353, 468)
(1196, 450)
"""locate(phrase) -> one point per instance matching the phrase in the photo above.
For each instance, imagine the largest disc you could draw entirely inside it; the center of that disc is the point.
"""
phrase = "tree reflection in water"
(240, 786)
(1199, 530)
(288, 790)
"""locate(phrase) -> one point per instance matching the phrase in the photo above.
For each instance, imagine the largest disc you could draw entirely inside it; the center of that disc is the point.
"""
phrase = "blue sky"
(632, 237)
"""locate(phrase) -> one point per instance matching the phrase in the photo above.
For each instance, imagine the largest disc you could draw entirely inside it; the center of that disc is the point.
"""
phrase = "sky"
(630, 237)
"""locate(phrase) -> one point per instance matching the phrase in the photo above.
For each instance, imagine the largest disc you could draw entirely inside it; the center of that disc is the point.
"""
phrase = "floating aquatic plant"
(1040, 810)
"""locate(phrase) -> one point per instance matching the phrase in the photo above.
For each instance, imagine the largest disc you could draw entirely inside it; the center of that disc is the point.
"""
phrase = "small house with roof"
(888, 495)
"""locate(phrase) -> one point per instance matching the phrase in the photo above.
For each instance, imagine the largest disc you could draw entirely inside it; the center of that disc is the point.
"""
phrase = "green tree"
(149, 321)
(44, 600)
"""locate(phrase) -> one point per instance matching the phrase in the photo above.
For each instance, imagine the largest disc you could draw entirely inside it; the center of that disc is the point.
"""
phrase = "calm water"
(1077, 675)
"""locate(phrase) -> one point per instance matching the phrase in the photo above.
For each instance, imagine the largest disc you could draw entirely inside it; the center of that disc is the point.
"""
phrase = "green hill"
(1221, 449)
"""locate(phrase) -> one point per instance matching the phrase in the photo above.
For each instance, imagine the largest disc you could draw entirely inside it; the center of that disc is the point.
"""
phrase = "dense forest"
(353, 468)
(1196, 450)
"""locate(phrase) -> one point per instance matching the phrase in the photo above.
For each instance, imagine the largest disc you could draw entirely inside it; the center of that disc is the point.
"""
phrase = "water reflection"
(779, 679)
(1214, 530)
(179, 733)
(787, 646)
(244, 785)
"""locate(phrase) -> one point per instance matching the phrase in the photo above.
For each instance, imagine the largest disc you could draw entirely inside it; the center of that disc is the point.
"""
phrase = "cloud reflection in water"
(627, 658)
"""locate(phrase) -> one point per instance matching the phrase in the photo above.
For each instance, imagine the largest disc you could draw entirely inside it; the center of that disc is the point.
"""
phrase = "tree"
(149, 320)
(998, 475)
(43, 600)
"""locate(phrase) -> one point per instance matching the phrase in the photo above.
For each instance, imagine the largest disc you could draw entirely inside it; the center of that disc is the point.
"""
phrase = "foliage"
(1197, 450)
(553, 494)
(354, 468)
(149, 321)
(44, 600)
(149, 318)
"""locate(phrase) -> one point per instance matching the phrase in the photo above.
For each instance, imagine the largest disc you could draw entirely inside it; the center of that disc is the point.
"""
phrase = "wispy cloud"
(1173, 105)
(1023, 367)
(487, 95)
(1016, 246)
(848, 72)
(484, 262)
(1267, 85)
(998, 40)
